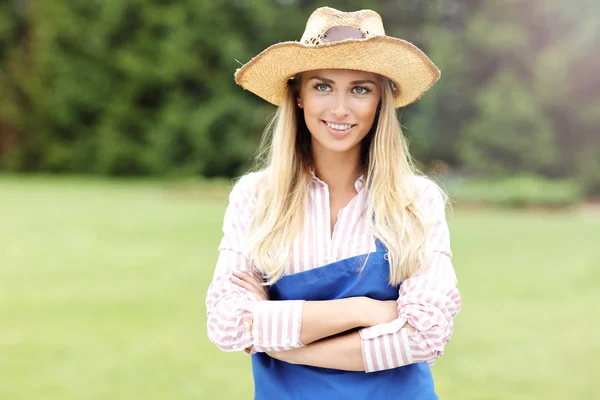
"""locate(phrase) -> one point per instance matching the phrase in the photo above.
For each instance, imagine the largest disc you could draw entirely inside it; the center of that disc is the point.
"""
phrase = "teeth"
(338, 127)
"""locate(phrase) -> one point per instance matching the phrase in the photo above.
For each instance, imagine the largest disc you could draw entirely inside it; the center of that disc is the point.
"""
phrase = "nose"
(340, 107)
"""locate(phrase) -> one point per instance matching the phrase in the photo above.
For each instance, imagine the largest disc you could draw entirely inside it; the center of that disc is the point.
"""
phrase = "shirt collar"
(359, 184)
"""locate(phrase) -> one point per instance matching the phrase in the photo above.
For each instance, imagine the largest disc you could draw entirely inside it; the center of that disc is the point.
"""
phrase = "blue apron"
(274, 379)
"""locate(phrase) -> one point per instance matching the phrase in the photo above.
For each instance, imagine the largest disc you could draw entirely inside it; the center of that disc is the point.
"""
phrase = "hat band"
(339, 33)
(336, 34)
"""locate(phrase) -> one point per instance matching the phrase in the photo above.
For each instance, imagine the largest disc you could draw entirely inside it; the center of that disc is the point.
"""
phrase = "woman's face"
(339, 107)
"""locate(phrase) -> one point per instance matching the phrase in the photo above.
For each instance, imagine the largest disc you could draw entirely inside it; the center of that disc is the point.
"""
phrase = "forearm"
(341, 352)
(288, 324)
(321, 319)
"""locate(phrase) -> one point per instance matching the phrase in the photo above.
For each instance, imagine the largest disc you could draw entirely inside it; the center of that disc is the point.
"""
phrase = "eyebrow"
(352, 83)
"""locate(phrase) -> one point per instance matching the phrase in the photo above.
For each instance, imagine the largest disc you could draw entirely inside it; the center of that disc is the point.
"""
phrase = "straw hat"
(341, 40)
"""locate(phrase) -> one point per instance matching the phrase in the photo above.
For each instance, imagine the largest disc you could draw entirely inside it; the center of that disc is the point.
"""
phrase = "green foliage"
(511, 133)
(145, 87)
(131, 88)
(531, 89)
(517, 192)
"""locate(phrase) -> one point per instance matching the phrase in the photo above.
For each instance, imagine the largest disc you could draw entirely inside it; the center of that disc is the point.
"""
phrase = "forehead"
(341, 75)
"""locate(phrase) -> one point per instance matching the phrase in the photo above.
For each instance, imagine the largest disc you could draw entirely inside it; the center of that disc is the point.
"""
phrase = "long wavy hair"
(285, 161)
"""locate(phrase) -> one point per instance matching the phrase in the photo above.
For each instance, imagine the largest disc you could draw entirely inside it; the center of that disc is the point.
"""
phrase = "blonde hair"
(285, 160)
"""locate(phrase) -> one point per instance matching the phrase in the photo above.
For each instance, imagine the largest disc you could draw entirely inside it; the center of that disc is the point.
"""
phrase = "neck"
(338, 170)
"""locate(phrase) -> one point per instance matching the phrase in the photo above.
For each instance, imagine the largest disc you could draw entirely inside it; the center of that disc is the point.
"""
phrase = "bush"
(517, 192)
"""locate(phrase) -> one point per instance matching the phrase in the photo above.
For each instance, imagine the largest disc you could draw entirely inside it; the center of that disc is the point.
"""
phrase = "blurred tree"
(435, 122)
(146, 86)
(531, 87)
(510, 133)
(12, 33)
(140, 87)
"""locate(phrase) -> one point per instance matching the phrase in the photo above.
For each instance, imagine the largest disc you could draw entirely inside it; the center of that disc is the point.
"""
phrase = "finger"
(250, 279)
(246, 278)
(258, 276)
(249, 289)
(250, 283)
(243, 284)
(259, 290)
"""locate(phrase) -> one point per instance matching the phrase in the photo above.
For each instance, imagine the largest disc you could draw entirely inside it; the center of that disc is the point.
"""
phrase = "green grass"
(102, 289)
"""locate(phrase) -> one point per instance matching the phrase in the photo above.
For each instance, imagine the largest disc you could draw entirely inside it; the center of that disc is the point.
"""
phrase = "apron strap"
(380, 246)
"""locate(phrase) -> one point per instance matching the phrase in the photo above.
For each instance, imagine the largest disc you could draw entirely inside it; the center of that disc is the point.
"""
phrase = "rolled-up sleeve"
(428, 302)
(235, 321)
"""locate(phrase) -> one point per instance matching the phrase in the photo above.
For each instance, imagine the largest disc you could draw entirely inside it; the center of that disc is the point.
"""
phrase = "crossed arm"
(341, 352)
(328, 328)
(348, 334)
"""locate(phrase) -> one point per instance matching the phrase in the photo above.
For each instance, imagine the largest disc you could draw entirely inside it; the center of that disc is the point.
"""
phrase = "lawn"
(102, 289)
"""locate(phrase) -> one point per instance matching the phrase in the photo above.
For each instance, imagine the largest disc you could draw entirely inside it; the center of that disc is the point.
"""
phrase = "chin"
(338, 146)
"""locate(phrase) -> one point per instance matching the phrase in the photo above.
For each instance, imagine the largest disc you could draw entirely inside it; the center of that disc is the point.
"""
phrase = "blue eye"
(322, 87)
(361, 90)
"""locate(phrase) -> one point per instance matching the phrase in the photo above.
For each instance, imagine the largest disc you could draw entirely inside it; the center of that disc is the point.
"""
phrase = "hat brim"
(266, 75)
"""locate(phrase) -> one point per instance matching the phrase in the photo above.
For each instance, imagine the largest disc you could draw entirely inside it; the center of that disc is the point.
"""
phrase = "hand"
(252, 283)
(379, 312)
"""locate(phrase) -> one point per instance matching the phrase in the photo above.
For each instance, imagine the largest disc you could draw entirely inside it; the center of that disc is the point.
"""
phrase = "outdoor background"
(122, 131)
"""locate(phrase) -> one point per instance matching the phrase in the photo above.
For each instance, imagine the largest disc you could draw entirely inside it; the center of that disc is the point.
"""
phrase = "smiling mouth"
(339, 127)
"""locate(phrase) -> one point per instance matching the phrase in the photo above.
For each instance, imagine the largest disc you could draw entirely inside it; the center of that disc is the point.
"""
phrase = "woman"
(335, 259)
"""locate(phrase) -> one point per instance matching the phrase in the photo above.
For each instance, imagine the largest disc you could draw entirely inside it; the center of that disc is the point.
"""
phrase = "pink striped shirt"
(428, 302)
